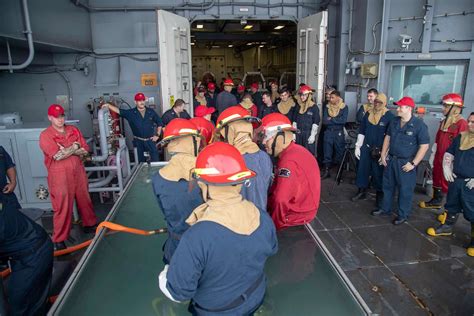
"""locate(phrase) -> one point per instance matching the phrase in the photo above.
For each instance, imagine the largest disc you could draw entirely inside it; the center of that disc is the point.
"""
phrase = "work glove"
(295, 126)
(448, 167)
(470, 183)
(358, 145)
(433, 152)
(162, 280)
(312, 136)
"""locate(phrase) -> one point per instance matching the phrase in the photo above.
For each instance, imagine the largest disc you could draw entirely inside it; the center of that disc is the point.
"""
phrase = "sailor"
(306, 118)
(235, 126)
(146, 126)
(226, 99)
(219, 263)
(286, 105)
(334, 118)
(404, 146)
(368, 147)
(200, 98)
(177, 111)
(450, 127)
(267, 105)
(29, 251)
(364, 108)
(63, 147)
(7, 175)
(294, 196)
(458, 170)
(176, 198)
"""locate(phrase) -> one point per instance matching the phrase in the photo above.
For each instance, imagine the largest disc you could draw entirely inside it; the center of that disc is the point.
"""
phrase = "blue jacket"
(257, 191)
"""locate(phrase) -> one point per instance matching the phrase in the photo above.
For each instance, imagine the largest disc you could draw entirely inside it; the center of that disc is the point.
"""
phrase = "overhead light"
(279, 27)
(230, 45)
(200, 26)
(249, 43)
(262, 46)
(248, 27)
(215, 46)
(192, 43)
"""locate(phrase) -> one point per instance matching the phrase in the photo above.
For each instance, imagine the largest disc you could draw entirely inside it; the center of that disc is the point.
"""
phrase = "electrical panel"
(369, 71)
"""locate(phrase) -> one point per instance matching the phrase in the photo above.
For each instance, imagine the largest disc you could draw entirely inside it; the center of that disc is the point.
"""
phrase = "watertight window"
(426, 84)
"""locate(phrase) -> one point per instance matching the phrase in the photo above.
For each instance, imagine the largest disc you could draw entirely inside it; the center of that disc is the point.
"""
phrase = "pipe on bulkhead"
(104, 150)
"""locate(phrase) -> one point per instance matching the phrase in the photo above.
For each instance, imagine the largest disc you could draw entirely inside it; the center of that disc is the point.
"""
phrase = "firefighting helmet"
(305, 89)
(178, 127)
(221, 164)
(235, 113)
(273, 124)
(228, 82)
(453, 99)
(205, 128)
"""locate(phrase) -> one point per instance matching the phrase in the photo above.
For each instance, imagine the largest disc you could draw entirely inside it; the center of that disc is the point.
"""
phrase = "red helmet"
(235, 113)
(211, 86)
(228, 82)
(178, 127)
(240, 88)
(453, 99)
(305, 89)
(140, 97)
(274, 123)
(254, 85)
(205, 128)
(221, 163)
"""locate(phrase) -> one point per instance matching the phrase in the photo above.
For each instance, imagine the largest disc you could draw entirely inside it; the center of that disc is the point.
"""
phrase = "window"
(426, 84)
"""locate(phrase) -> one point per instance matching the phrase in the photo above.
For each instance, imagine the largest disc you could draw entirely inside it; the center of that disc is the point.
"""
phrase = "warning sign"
(171, 100)
(149, 80)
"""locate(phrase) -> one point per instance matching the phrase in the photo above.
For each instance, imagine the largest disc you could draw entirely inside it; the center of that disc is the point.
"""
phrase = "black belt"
(142, 139)
(334, 128)
(238, 301)
(398, 157)
(30, 250)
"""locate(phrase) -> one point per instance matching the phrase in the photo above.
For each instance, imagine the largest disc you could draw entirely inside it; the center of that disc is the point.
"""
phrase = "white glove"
(162, 280)
(433, 152)
(448, 167)
(470, 183)
(295, 126)
(314, 131)
(358, 145)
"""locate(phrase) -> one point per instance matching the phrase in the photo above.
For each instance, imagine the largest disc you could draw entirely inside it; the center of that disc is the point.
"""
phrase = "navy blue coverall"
(304, 123)
(374, 136)
(404, 144)
(6, 162)
(333, 140)
(143, 128)
(265, 110)
(257, 190)
(176, 201)
(460, 198)
(171, 114)
(224, 100)
(29, 251)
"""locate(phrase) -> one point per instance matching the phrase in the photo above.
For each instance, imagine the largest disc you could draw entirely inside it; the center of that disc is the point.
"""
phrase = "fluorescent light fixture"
(230, 45)
(200, 26)
(215, 46)
(248, 27)
(192, 43)
(279, 27)
(262, 46)
(249, 43)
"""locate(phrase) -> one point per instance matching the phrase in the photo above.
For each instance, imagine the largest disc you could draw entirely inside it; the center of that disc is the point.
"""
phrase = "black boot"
(361, 195)
(59, 246)
(326, 174)
(470, 248)
(435, 202)
(379, 199)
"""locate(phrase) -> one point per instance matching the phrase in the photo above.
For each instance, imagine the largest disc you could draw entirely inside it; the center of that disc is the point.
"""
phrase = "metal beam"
(427, 26)
(232, 37)
(430, 56)
(383, 45)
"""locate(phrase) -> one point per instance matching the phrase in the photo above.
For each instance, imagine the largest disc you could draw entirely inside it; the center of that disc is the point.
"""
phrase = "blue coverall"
(404, 144)
(224, 100)
(176, 201)
(334, 141)
(460, 198)
(29, 250)
(6, 163)
(143, 127)
(304, 123)
(220, 271)
(374, 136)
(257, 189)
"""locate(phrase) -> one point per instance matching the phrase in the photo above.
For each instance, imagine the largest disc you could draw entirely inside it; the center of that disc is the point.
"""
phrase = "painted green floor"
(120, 275)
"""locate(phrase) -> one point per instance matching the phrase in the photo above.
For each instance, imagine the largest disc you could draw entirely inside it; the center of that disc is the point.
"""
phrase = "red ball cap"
(228, 82)
(254, 85)
(139, 97)
(221, 164)
(240, 88)
(211, 86)
(202, 110)
(453, 99)
(407, 101)
(55, 110)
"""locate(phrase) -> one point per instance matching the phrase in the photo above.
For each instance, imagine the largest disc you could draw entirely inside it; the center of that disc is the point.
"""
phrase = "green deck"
(118, 275)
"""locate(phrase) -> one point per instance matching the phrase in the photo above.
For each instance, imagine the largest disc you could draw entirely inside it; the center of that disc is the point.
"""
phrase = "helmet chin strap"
(195, 145)
(280, 133)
